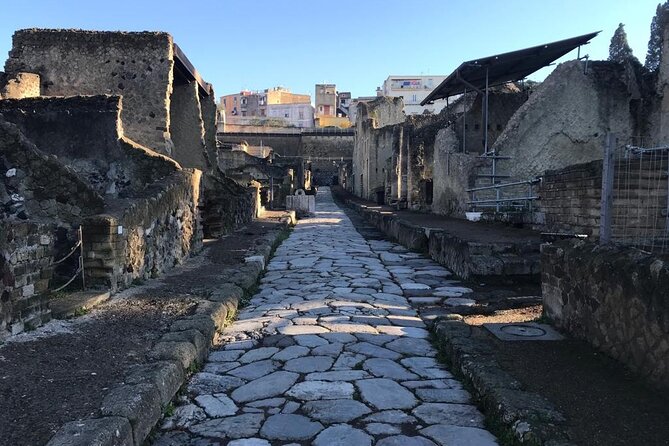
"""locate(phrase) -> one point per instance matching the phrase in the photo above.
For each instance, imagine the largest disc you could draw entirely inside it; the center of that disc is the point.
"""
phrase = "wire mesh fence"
(635, 209)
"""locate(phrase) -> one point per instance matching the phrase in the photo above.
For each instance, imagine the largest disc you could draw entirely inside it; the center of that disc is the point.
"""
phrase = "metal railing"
(519, 201)
(79, 246)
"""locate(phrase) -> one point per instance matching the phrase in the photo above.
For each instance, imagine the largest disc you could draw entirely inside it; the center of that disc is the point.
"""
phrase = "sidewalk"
(67, 370)
(469, 249)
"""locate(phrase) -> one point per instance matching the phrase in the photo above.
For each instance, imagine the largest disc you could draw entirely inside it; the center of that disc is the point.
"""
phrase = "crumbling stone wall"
(26, 255)
(85, 132)
(227, 206)
(410, 164)
(135, 65)
(187, 126)
(146, 237)
(36, 185)
(615, 298)
(324, 152)
(376, 140)
(564, 120)
(503, 102)
(453, 173)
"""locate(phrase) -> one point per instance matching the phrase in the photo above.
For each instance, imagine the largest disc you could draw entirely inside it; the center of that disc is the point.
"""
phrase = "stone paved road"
(331, 352)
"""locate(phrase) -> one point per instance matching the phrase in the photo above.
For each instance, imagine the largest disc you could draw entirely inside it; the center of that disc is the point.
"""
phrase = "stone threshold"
(76, 303)
(130, 412)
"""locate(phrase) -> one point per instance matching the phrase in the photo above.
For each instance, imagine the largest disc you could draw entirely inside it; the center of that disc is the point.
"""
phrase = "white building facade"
(414, 89)
(297, 115)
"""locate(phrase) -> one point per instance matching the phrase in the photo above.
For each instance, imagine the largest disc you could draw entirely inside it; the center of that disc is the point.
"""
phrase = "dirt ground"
(604, 403)
(48, 381)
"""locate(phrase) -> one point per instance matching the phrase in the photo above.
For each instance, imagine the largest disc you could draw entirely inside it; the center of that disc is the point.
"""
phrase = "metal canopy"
(479, 74)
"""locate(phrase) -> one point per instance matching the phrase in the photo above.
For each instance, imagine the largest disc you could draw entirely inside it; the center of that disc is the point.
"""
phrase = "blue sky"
(256, 44)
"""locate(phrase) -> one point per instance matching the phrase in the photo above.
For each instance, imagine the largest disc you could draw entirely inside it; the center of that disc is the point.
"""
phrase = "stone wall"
(564, 120)
(227, 206)
(322, 150)
(324, 153)
(86, 134)
(26, 254)
(615, 298)
(419, 162)
(571, 198)
(137, 66)
(147, 236)
(36, 185)
(187, 127)
(453, 174)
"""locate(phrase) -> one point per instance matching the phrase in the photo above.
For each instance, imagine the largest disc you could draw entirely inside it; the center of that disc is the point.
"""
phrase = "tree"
(619, 49)
(654, 54)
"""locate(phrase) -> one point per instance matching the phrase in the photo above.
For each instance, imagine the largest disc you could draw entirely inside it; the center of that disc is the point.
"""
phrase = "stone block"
(107, 431)
(184, 353)
(166, 376)
(138, 403)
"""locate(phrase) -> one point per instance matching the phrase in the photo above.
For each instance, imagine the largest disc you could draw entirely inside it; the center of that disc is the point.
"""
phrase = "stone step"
(81, 301)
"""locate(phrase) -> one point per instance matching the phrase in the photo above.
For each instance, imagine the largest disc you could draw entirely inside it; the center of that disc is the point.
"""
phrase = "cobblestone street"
(330, 351)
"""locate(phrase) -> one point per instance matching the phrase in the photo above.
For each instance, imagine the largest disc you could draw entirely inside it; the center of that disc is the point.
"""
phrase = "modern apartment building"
(413, 89)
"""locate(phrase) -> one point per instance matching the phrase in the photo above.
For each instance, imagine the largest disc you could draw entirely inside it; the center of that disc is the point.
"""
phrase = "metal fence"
(635, 194)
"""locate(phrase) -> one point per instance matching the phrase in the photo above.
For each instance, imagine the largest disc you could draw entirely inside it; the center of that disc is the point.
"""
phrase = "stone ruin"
(113, 132)
(427, 163)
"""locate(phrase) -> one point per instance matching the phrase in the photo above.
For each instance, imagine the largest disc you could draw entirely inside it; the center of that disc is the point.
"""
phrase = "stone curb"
(130, 411)
(527, 418)
(467, 259)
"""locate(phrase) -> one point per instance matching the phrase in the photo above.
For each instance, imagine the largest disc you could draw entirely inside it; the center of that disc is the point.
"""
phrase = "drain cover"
(523, 330)
(529, 331)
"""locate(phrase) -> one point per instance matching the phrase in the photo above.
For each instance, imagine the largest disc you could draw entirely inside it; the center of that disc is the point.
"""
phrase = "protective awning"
(506, 67)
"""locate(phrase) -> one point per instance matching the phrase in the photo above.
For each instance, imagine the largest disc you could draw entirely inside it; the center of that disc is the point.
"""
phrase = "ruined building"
(429, 163)
(113, 132)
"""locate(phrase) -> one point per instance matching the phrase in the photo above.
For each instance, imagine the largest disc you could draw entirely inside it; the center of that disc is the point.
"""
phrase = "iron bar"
(607, 190)
(503, 185)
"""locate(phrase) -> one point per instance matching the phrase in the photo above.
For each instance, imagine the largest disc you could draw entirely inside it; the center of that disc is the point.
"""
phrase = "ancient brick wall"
(615, 298)
(137, 66)
(26, 254)
(571, 198)
(147, 237)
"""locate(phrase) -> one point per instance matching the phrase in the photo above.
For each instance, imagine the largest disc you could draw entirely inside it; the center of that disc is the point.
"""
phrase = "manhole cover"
(527, 331)
(523, 330)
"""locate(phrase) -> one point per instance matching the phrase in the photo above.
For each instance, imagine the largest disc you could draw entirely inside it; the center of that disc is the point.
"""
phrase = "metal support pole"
(464, 121)
(485, 123)
(271, 193)
(608, 174)
(81, 258)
